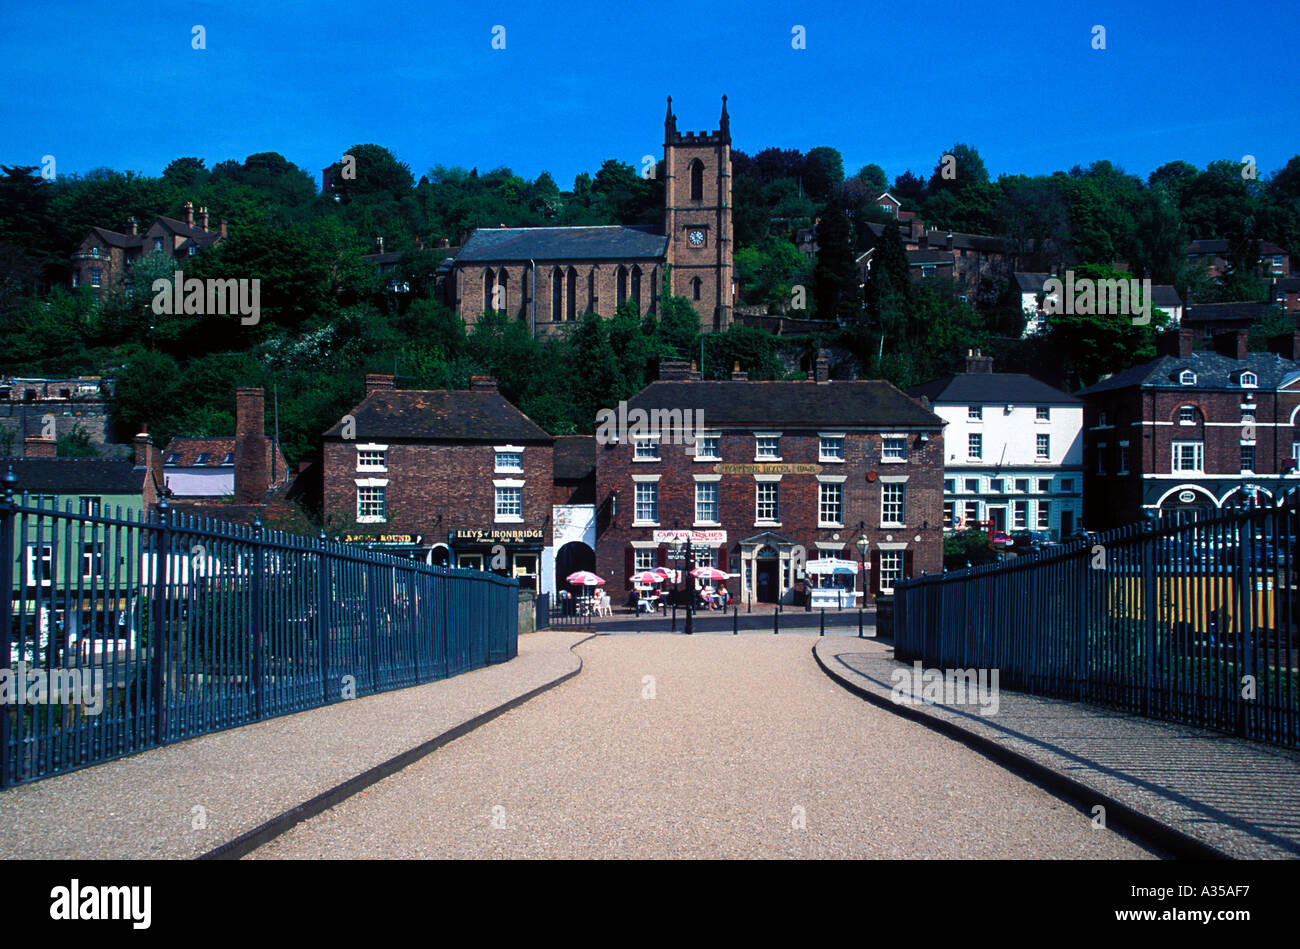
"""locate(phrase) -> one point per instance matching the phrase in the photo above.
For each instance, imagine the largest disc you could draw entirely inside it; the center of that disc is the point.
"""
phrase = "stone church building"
(552, 276)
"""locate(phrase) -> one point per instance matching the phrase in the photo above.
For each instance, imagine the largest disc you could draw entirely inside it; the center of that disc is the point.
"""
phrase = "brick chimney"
(1287, 346)
(203, 218)
(674, 369)
(252, 447)
(924, 241)
(143, 448)
(378, 382)
(482, 384)
(36, 446)
(1177, 343)
(950, 241)
(443, 242)
(222, 227)
(977, 362)
(132, 225)
(822, 367)
(1232, 343)
(189, 213)
(738, 375)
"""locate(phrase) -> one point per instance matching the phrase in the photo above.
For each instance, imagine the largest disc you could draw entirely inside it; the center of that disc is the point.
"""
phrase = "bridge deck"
(1240, 797)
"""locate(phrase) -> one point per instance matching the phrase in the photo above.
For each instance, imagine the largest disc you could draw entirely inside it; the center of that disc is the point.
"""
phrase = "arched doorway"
(572, 557)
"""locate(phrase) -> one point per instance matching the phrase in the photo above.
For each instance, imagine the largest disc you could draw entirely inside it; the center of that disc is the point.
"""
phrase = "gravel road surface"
(737, 747)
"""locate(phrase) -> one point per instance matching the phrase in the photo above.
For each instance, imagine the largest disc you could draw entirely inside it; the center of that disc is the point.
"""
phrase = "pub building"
(456, 478)
(775, 475)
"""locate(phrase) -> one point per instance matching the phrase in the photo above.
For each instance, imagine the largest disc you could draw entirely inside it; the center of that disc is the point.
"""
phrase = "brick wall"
(427, 481)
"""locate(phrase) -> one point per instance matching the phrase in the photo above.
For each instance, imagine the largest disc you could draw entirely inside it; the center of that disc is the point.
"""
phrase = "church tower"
(697, 217)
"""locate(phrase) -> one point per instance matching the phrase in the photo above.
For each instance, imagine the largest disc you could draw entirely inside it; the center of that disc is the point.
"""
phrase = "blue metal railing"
(1191, 621)
(141, 631)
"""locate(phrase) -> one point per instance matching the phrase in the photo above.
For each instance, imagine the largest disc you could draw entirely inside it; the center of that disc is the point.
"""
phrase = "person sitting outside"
(724, 596)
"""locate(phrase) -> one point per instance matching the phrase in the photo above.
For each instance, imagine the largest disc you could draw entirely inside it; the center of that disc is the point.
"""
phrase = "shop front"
(510, 552)
(413, 546)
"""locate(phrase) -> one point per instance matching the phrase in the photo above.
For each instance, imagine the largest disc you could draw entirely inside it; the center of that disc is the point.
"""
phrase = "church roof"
(609, 242)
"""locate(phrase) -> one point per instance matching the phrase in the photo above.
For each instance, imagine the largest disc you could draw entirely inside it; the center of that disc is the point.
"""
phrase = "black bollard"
(859, 623)
(735, 621)
(776, 620)
(823, 632)
(674, 626)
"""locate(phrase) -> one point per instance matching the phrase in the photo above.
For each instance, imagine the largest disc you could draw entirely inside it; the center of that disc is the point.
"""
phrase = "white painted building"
(1014, 450)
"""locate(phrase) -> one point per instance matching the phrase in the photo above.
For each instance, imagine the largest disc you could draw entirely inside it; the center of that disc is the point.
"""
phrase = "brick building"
(965, 258)
(1192, 430)
(552, 276)
(454, 477)
(1273, 261)
(103, 256)
(778, 472)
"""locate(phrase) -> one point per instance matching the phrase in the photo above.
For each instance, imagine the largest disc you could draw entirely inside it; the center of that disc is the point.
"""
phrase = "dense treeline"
(327, 315)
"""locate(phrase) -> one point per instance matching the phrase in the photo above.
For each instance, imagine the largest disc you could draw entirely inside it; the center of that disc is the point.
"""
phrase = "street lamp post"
(684, 554)
(863, 544)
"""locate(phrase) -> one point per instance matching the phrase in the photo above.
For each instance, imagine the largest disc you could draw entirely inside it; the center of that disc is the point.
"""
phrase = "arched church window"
(636, 287)
(489, 284)
(622, 285)
(696, 284)
(697, 180)
(571, 304)
(557, 294)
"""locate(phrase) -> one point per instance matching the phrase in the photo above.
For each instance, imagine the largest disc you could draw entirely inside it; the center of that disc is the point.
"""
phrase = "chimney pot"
(189, 213)
(203, 218)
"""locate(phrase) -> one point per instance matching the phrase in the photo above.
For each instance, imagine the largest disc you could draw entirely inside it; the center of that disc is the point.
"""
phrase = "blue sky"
(895, 84)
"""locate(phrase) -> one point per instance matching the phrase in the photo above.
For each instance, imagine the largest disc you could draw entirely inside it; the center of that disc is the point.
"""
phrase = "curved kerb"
(250, 840)
(1173, 842)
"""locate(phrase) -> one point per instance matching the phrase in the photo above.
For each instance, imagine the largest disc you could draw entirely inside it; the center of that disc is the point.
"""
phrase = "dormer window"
(1187, 378)
(203, 458)
(173, 459)
(229, 459)
(1249, 380)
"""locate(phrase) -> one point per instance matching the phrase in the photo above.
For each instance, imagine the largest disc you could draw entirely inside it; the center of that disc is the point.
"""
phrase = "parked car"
(1000, 539)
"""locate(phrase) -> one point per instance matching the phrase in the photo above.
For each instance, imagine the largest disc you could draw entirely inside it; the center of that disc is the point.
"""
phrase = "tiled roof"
(1216, 312)
(930, 256)
(1287, 284)
(976, 388)
(1164, 297)
(194, 233)
(75, 475)
(575, 457)
(1213, 371)
(441, 414)
(873, 403)
(116, 239)
(188, 451)
(1031, 282)
(1220, 247)
(562, 243)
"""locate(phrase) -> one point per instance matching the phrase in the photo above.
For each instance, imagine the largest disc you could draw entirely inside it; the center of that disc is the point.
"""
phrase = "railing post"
(323, 617)
(6, 615)
(1245, 536)
(1149, 583)
(258, 619)
(158, 630)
